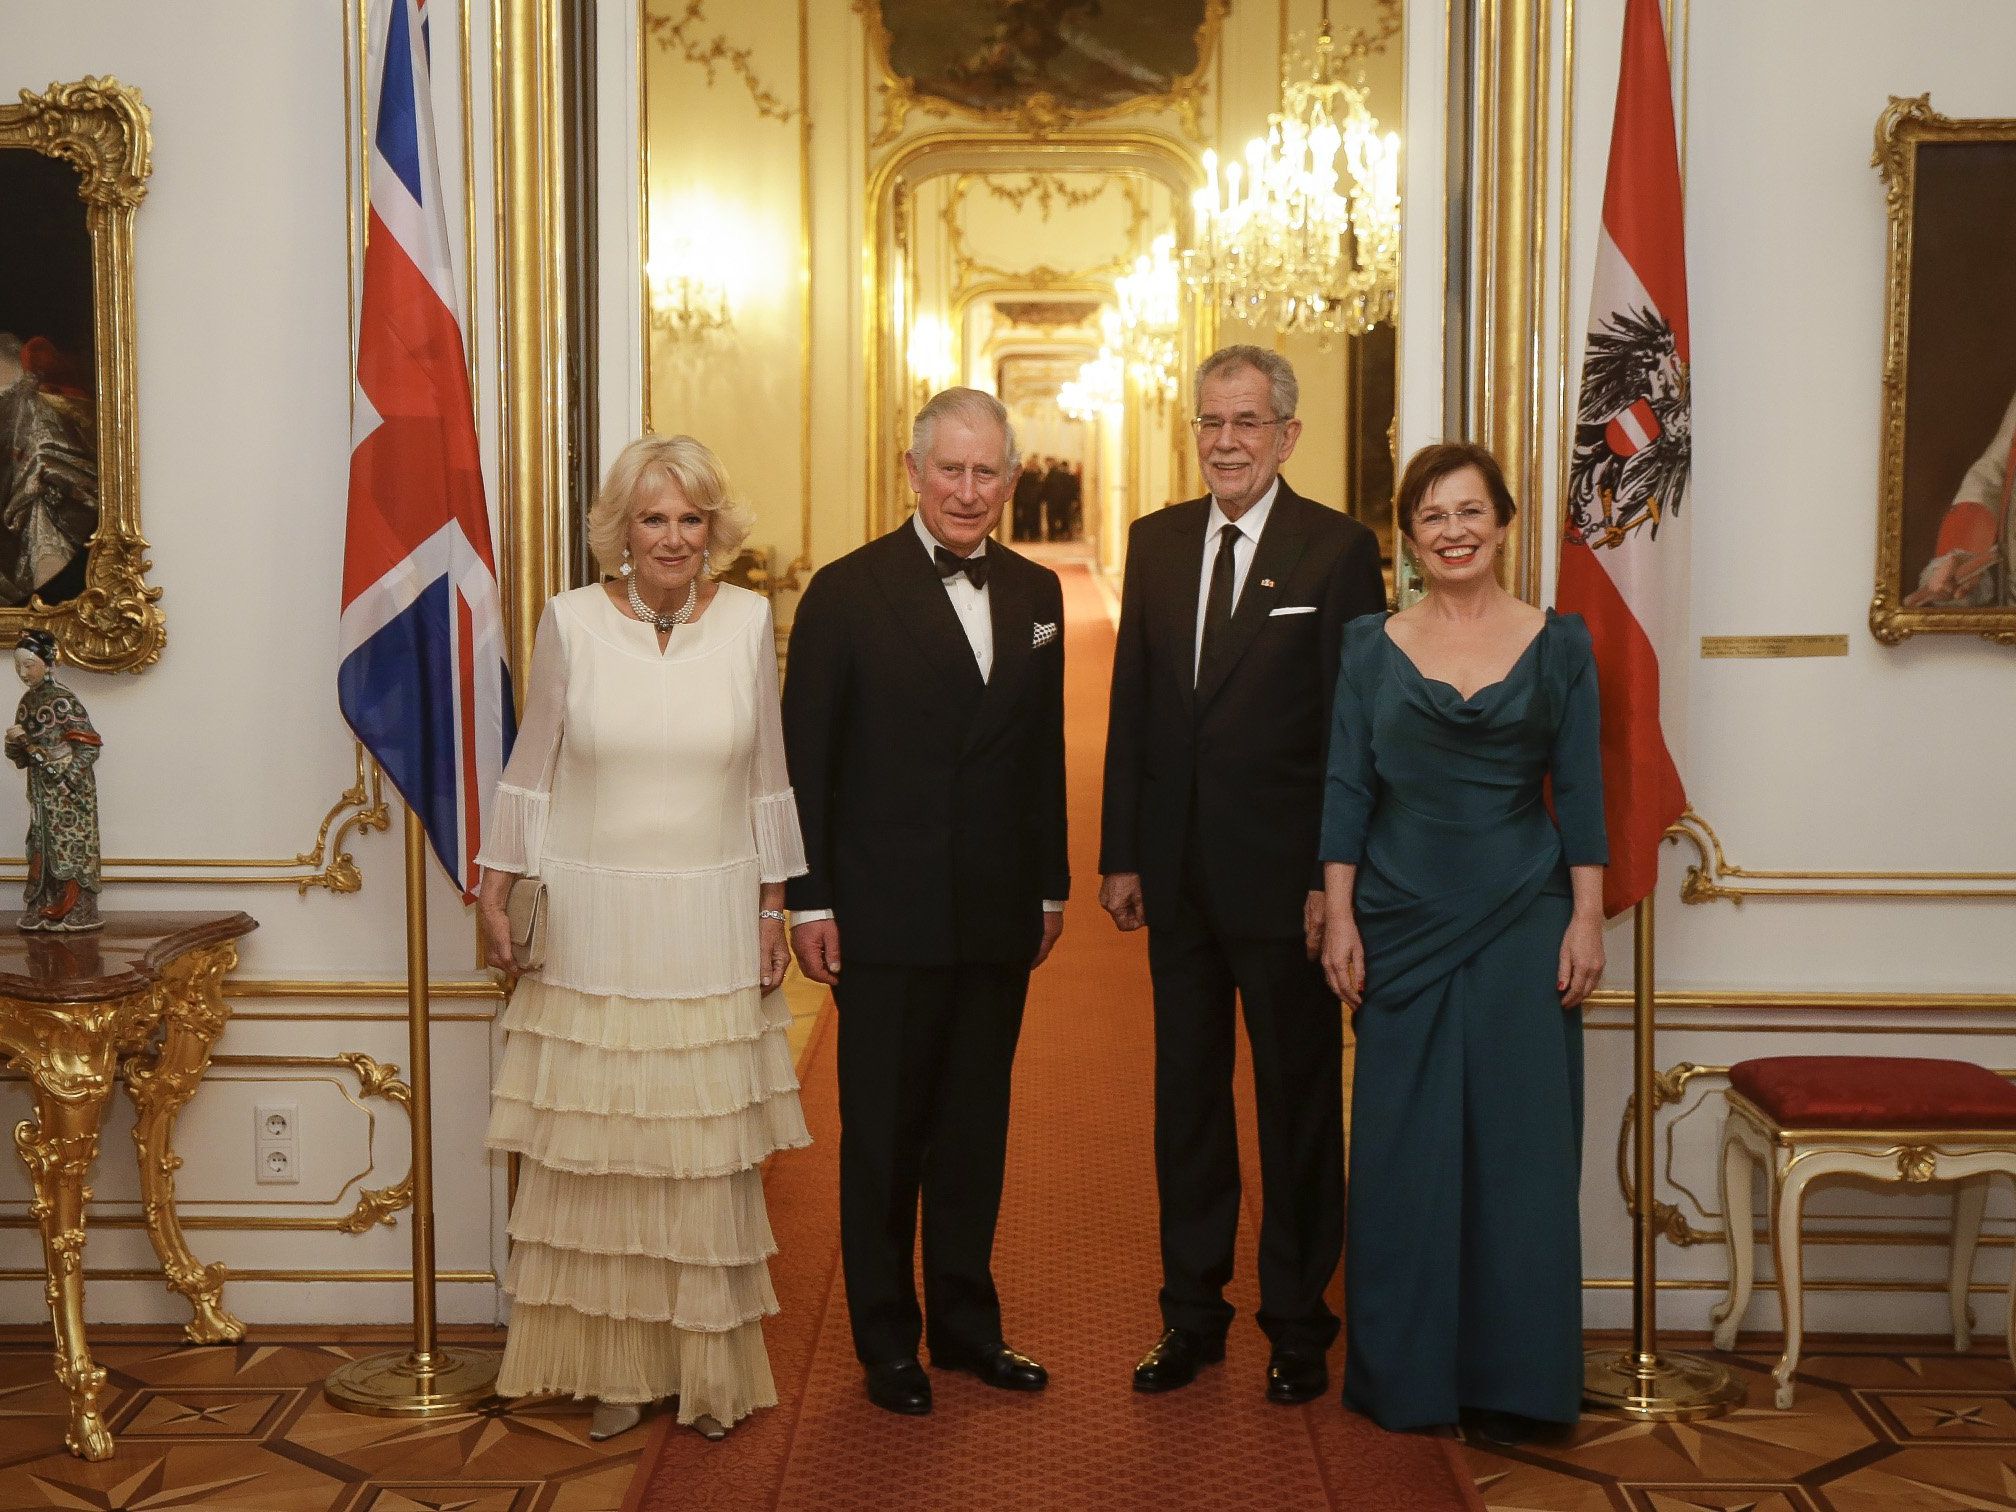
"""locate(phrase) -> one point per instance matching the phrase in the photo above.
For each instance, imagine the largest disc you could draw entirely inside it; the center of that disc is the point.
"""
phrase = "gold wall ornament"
(1040, 113)
(1917, 1162)
(967, 267)
(681, 35)
(326, 864)
(1712, 878)
(1048, 189)
(1905, 129)
(374, 1205)
(102, 129)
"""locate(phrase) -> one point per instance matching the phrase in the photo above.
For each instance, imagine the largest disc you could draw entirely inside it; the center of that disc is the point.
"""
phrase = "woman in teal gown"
(1464, 928)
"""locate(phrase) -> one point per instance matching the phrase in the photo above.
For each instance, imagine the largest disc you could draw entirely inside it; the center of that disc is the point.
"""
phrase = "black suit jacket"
(932, 803)
(1230, 770)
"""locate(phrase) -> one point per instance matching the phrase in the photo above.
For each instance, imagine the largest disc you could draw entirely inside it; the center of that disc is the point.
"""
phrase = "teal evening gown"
(1463, 1264)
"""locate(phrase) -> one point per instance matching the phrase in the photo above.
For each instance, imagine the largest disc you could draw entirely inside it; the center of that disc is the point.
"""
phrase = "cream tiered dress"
(645, 1075)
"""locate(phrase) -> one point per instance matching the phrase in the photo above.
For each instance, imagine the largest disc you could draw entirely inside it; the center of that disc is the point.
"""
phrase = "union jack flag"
(423, 681)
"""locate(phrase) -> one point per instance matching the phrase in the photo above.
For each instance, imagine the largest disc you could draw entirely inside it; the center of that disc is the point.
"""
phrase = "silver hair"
(1283, 392)
(971, 405)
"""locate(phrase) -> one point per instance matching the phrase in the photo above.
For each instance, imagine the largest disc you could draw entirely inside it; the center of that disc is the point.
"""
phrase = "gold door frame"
(885, 255)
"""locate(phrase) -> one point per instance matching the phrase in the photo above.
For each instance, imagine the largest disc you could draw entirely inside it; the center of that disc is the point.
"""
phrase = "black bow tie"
(975, 567)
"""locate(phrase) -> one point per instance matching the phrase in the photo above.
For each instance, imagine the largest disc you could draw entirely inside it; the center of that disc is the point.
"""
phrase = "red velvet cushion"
(1876, 1092)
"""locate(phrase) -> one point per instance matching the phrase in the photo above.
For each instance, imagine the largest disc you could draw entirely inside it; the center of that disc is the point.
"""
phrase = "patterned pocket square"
(1044, 635)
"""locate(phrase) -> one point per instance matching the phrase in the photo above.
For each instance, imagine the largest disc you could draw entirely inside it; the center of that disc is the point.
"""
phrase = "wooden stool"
(1882, 1117)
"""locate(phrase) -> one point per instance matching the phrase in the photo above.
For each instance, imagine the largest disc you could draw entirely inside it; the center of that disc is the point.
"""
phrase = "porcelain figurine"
(52, 740)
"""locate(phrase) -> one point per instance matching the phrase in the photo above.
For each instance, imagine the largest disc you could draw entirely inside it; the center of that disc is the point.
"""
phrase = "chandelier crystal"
(1101, 385)
(1151, 319)
(1304, 236)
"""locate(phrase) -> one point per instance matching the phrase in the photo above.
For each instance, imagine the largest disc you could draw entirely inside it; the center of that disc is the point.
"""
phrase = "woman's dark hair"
(1432, 464)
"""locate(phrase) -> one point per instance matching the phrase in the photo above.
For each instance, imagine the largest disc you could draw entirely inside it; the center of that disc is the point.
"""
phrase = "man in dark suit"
(1057, 501)
(924, 723)
(1231, 619)
(1025, 517)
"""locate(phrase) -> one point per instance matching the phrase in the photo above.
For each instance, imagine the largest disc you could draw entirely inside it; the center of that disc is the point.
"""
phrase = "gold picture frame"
(1040, 112)
(101, 129)
(1951, 191)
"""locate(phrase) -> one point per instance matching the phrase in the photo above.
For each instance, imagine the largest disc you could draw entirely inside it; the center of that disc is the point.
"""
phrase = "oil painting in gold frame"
(74, 163)
(1042, 65)
(1946, 529)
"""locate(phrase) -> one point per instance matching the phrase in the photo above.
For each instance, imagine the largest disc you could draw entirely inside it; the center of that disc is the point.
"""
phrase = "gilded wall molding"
(326, 864)
(716, 52)
(1713, 878)
(101, 128)
(1047, 189)
(373, 1206)
(1041, 114)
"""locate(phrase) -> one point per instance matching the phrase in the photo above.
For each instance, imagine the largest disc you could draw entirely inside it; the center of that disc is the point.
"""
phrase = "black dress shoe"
(900, 1386)
(1174, 1360)
(1511, 1430)
(999, 1366)
(1296, 1375)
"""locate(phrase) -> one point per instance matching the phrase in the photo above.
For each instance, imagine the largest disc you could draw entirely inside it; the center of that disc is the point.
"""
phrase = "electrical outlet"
(276, 1143)
(274, 1122)
(277, 1164)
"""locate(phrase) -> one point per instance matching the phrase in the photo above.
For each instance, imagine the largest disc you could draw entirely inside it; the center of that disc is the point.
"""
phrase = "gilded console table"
(145, 992)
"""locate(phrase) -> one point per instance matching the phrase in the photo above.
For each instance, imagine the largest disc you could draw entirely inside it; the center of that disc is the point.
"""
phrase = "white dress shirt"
(970, 603)
(1244, 544)
(976, 618)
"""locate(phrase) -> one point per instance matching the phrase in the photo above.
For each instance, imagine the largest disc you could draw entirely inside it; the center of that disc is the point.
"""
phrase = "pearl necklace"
(663, 622)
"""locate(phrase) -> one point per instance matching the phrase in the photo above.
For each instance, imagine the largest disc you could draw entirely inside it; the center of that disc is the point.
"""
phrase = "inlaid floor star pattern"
(1908, 1430)
(244, 1428)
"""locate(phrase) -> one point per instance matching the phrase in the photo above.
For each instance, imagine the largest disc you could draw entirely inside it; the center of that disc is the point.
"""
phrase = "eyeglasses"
(1471, 516)
(1243, 427)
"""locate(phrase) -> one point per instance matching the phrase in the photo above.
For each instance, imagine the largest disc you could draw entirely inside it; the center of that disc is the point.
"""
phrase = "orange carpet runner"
(1077, 1265)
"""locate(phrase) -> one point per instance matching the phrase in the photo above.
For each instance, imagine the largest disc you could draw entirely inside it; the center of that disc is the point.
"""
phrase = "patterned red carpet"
(1076, 1263)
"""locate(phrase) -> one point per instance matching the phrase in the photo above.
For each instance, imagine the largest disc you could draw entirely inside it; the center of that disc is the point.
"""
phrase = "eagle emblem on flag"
(1633, 439)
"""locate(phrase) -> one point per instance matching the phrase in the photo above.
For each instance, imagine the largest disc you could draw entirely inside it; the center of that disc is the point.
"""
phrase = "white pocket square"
(1291, 609)
(1044, 635)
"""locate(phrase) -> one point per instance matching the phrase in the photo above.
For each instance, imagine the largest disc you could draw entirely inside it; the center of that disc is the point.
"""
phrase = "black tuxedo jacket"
(932, 803)
(1230, 770)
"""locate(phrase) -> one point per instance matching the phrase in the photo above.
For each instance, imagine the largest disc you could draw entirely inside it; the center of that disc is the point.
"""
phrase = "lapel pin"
(1266, 582)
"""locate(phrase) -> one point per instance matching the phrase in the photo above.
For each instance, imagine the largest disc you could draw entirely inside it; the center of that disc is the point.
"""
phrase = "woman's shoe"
(709, 1428)
(612, 1418)
(1511, 1430)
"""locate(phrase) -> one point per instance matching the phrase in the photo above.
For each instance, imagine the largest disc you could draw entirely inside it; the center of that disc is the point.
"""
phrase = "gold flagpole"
(429, 1381)
(1641, 1382)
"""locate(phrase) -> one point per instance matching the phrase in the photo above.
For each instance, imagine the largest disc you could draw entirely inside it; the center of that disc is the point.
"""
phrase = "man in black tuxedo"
(1057, 501)
(924, 724)
(1231, 620)
(1025, 517)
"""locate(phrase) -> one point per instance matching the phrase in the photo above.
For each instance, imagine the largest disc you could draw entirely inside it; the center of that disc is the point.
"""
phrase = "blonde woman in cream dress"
(645, 1073)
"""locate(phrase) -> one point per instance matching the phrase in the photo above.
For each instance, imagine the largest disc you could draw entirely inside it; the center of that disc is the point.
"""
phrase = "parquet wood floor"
(1877, 1426)
(244, 1428)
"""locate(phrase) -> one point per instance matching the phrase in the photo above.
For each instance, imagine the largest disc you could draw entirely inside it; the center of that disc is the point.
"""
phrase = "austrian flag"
(422, 680)
(1622, 554)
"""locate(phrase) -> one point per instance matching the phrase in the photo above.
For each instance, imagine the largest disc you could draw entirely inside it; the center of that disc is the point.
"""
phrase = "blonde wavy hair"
(648, 463)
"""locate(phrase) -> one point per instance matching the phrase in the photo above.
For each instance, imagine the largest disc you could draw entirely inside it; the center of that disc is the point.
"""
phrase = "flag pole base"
(406, 1385)
(1666, 1388)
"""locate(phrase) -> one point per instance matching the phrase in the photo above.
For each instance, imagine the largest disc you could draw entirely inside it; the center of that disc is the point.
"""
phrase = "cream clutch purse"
(525, 912)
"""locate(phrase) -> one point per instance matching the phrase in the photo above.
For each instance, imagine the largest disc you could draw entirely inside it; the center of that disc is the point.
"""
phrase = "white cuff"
(516, 833)
(780, 850)
(1053, 905)
(809, 916)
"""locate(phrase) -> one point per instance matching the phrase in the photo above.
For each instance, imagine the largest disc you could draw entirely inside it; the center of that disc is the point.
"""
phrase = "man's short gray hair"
(1283, 392)
(971, 405)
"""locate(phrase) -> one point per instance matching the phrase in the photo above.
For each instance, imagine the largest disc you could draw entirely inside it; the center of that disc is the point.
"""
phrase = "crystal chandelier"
(1151, 319)
(1290, 241)
(1101, 385)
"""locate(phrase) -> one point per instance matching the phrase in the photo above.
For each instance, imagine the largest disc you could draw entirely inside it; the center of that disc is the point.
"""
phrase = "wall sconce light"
(933, 365)
(689, 297)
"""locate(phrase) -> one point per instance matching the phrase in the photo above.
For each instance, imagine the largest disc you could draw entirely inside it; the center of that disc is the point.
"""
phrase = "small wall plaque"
(1774, 645)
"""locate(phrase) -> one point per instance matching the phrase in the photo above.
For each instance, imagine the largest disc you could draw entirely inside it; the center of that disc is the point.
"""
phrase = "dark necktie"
(1218, 598)
(975, 567)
